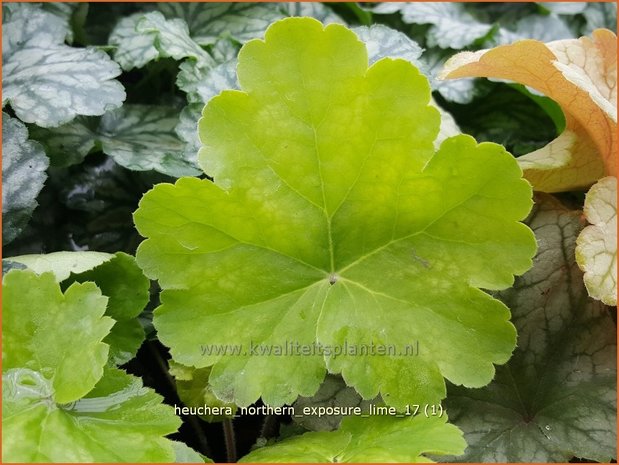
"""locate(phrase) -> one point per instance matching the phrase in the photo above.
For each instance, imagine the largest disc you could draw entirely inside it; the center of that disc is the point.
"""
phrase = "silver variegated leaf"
(564, 8)
(317, 10)
(454, 90)
(172, 37)
(142, 137)
(132, 49)
(144, 37)
(23, 174)
(382, 41)
(187, 128)
(47, 82)
(210, 21)
(452, 26)
(542, 28)
(138, 137)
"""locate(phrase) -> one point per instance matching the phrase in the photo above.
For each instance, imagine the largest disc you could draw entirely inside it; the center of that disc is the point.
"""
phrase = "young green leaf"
(201, 80)
(60, 402)
(119, 279)
(138, 137)
(24, 166)
(32, 342)
(318, 231)
(373, 439)
(596, 247)
(118, 421)
(556, 397)
(381, 42)
(47, 82)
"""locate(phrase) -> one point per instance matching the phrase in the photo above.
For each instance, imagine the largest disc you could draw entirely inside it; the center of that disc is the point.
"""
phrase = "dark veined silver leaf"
(24, 166)
(47, 82)
(556, 397)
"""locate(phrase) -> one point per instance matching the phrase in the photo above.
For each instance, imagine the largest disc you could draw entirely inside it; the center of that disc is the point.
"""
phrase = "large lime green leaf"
(47, 82)
(138, 137)
(24, 166)
(119, 279)
(373, 439)
(118, 421)
(332, 221)
(34, 309)
(556, 398)
(596, 248)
